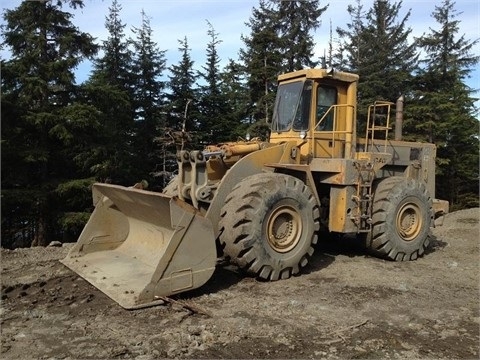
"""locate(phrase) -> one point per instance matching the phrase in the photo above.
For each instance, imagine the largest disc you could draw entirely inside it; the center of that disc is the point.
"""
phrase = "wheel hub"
(409, 221)
(284, 228)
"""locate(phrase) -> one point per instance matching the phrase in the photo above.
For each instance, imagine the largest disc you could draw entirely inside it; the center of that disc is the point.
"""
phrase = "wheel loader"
(263, 204)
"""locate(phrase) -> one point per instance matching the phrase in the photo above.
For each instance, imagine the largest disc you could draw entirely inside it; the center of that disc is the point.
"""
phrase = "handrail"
(372, 127)
(333, 108)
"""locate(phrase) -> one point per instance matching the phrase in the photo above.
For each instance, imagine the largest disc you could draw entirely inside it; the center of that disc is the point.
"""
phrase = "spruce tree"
(262, 59)
(216, 124)
(442, 108)
(375, 45)
(281, 40)
(148, 67)
(347, 55)
(182, 107)
(114, 67)
(110, 91)
(182, 114)
(388, 60)
(234, 88)
(297, 21)
(39, 94)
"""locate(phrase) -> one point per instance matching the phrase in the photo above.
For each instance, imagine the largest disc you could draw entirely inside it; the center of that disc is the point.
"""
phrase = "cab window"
(302, 116)
(286, 104)
(326, 97)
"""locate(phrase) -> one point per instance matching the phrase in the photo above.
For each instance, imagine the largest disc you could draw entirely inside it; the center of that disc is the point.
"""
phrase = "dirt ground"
(345, 305)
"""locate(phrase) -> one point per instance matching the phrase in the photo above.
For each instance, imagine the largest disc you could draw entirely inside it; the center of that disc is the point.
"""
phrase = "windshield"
(292, 106)
(288, 97)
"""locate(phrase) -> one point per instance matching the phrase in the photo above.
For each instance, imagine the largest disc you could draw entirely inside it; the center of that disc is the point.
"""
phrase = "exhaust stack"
(399, 118)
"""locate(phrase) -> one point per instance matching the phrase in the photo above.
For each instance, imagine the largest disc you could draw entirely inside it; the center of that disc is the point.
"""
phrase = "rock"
(403, 287)
(144, 357)
(87, 299)
(55, 244)
(19, 336)
(452, 264)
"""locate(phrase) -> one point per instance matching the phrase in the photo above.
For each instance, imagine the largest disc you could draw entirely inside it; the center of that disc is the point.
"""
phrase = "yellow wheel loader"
(263, 204)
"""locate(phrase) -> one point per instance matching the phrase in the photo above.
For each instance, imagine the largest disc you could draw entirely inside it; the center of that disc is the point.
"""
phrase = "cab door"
(327, 141)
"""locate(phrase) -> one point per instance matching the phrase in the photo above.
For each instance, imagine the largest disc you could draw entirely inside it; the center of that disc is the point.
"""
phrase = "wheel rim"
(409, 221)
(284, 228)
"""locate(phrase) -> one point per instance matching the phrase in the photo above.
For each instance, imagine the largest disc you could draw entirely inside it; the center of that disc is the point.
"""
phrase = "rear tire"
(268, 225)
(401, 217)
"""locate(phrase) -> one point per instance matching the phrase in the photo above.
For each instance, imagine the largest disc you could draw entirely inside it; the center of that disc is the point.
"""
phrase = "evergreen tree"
(389, 59)
(148, 90)
(377, 48)
(297, 20)
(182, 99)
(347, 56)
(39, 93)
(442, 108)
(110, 91)
(262, 59)
(280, 41)
(215, 123)
(234, 87)
(114, 67)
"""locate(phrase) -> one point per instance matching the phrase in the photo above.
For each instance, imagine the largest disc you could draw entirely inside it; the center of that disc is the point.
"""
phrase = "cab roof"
(319, 74)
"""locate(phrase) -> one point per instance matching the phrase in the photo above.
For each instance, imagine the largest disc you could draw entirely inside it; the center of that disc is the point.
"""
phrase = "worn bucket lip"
(92, 268)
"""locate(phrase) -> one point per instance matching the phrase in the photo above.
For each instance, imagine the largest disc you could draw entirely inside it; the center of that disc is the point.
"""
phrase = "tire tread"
(240, 213)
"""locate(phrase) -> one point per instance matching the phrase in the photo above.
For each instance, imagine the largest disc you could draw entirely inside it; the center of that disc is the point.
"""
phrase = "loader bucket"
(139, 246)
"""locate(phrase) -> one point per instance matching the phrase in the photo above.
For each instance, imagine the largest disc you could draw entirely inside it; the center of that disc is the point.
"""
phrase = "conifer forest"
(125, 123)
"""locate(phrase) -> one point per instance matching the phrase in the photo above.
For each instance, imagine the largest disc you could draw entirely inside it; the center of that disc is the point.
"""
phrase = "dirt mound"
(345, 305)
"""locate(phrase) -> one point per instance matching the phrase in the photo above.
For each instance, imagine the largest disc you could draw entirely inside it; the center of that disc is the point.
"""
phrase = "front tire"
(401, 217)
(268, 225)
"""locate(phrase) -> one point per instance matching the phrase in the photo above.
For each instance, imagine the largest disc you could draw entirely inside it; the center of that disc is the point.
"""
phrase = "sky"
(172, 20)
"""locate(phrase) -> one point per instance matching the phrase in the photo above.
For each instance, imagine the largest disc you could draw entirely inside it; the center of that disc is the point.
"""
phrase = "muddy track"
(345, 304)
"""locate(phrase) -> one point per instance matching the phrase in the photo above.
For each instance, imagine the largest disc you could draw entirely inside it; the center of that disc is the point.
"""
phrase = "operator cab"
(316, 108)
